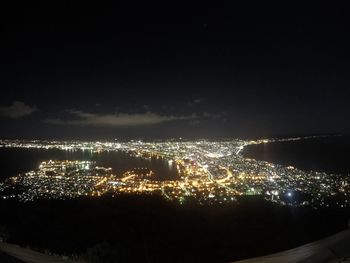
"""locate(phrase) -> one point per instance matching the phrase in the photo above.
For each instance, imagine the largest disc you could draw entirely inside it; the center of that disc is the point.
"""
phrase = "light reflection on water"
(14, 161)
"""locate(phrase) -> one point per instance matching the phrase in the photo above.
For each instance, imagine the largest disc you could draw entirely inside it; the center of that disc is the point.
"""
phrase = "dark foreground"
(149, 229)
(335, 248)
(4, 258)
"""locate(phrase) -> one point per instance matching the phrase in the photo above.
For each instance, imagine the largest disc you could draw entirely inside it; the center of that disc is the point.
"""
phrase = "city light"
(210, 172)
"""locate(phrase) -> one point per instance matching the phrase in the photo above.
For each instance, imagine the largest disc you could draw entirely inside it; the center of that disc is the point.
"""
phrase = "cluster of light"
(210, 172)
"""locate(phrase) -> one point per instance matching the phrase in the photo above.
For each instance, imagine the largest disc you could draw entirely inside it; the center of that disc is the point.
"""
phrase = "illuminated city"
(211, 172)
(211, 132)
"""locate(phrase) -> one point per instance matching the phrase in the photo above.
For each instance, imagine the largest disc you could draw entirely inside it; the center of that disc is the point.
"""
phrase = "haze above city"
(95, 72)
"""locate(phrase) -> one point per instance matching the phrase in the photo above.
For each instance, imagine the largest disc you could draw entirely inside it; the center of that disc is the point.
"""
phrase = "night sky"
(195, 71)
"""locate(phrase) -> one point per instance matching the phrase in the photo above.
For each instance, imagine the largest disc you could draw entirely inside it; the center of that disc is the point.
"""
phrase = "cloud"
(117, 120)
(17, 109)
(212, 116)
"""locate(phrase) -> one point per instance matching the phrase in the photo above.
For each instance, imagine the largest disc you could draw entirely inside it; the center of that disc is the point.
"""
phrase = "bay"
(326, 154)
(18, 160)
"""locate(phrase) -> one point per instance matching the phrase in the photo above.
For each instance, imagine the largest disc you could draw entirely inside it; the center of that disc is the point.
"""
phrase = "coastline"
(270, 142)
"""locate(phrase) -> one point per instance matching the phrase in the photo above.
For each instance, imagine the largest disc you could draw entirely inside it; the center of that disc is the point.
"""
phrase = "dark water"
(331, 154)
(14, 161)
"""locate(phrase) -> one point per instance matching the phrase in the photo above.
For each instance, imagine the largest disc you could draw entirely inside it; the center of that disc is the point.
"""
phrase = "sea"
(324, 154)
(20, 160)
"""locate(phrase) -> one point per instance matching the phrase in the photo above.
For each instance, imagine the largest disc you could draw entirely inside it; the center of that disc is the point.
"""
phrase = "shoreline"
(242, 153)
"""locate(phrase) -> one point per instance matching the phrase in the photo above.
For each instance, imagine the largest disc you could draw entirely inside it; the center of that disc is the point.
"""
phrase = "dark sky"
(88, 71)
